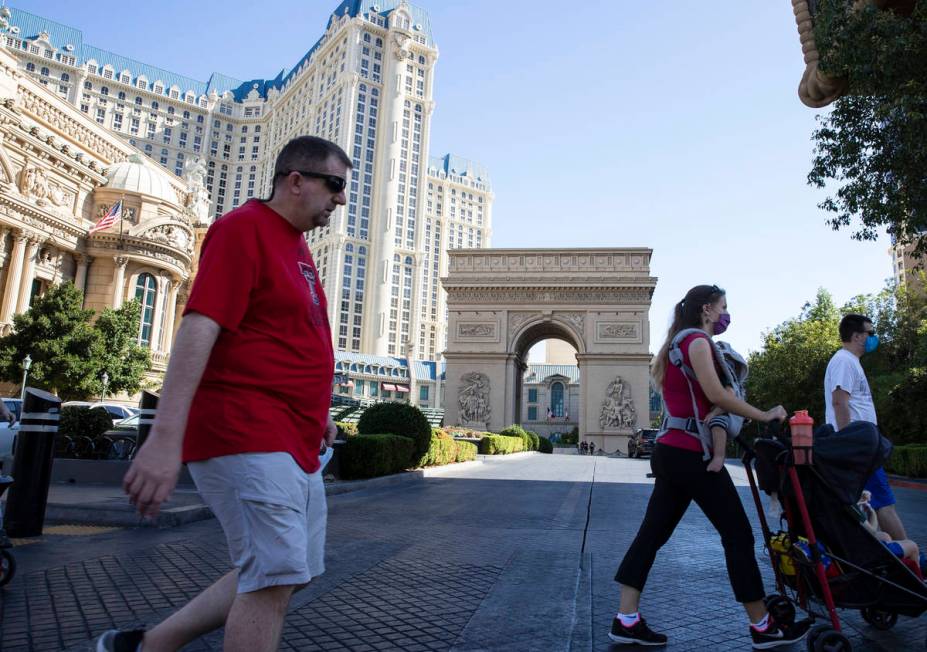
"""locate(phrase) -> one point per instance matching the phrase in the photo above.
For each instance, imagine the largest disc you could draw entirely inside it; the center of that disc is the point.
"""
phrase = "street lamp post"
(105, 385)
(27, 362)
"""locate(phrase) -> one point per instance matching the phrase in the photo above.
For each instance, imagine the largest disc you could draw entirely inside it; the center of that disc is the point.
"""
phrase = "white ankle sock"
(762, 624)
(628, 620)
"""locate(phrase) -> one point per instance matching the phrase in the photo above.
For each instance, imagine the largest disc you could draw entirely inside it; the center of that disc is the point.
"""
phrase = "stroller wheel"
(879, 618)
(824, 638)
(780, 608)
(7, 567)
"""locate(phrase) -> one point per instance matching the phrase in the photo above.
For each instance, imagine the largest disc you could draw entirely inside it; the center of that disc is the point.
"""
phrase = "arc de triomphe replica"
(503, 301)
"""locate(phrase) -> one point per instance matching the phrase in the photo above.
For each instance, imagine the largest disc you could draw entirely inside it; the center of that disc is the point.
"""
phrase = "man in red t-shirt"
(245, 405)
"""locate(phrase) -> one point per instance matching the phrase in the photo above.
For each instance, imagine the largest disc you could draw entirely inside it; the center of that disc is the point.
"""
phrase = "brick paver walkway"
(510, 555)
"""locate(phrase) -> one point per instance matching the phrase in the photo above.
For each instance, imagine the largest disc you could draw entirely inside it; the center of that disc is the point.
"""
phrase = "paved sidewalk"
(507, 555)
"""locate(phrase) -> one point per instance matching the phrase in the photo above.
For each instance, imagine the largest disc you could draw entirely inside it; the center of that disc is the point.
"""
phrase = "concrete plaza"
(511, 554)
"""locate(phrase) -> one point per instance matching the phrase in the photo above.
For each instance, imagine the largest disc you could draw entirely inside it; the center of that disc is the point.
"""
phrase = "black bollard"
(148, 405)
(32, 464)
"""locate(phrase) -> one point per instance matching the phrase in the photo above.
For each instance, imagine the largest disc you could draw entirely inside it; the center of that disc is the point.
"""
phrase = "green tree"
(789, 370)
(873, 144)
(117, 351)
(69, 353)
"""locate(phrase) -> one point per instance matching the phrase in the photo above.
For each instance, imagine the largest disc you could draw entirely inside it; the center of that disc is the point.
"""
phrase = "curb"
(126, 516)
(907, 483)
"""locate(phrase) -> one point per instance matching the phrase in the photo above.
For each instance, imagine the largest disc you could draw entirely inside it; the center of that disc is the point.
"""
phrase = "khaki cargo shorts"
(272, 512)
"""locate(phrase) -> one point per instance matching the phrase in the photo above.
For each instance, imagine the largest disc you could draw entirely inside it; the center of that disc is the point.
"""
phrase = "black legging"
(681, 477)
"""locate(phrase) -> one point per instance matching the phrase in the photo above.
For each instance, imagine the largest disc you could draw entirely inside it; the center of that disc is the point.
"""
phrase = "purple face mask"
(721, 325)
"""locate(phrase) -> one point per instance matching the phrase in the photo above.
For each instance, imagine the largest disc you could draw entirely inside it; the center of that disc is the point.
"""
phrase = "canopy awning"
(402, 388)
(389, 387)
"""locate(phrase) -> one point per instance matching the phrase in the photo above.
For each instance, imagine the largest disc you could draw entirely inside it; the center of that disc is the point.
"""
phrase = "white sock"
(628, 620)
(762, 624)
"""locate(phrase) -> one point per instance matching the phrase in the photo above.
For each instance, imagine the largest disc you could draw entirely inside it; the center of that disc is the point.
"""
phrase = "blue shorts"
(877, 485)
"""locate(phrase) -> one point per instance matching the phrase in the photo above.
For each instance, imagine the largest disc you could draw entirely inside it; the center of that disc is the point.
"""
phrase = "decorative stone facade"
(503, 301)
(59, 173)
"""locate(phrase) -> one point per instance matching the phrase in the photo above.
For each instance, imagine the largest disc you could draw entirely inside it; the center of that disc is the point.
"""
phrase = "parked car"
(641, 442)
(116, 411)
(7, 431)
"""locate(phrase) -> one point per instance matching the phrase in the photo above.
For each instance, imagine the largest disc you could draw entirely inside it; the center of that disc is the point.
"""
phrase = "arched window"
(145, 289)
(556, 399)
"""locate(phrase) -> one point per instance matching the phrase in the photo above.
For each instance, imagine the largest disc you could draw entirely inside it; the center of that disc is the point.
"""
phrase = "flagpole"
(122, 208)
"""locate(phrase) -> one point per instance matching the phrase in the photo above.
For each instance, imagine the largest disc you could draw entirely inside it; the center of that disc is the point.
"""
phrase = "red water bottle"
(802, 428)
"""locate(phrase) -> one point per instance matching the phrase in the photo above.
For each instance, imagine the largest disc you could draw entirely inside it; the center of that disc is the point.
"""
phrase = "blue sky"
(673, 125)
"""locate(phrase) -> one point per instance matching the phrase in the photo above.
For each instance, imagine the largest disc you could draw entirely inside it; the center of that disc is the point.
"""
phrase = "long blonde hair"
(686, 314)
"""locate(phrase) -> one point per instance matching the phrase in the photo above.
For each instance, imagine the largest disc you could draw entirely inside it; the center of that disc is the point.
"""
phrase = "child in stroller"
(905, 549)
(826, 556)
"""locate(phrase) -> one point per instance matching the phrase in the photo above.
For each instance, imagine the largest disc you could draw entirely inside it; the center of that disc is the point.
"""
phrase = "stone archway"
(501, 301)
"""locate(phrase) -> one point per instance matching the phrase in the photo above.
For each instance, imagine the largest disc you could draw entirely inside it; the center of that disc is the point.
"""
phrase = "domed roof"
(135, 175)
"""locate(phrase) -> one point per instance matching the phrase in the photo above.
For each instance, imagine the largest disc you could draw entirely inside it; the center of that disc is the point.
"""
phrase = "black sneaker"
(776, 635)
(120, 640)
(638, 633)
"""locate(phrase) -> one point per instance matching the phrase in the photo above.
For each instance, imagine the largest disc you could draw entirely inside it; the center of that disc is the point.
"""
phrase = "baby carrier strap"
(693, 426)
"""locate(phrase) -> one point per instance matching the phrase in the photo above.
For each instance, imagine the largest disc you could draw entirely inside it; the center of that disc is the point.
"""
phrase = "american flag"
(115, 213)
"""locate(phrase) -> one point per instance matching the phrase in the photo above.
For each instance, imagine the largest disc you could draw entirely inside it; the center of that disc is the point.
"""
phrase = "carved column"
(168, 335)
(119, 282)
(160, 314)
(28, 275)
(13, 277)
(4, 250)
(82, 261)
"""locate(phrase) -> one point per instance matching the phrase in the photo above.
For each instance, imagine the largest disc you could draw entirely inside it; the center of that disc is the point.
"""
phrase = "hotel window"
(533, 395)
(532, 413)
(30, 67)
(145, 291)
(107, 73)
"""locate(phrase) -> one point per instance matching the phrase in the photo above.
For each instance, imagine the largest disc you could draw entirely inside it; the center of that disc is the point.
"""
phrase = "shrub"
(909, 460)
(519, 432)
(446, 450)
(369, 456)
(441, 433)
(545, 446)
(466, 451)
(398, 419)
(501, 445)
(535, 440)
(346, 430)
(81, 420)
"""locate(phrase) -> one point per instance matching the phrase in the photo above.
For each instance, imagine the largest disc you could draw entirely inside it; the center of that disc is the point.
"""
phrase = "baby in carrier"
(904, 549)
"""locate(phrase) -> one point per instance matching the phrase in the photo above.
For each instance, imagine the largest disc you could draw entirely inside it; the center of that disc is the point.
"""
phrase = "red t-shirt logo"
(306, 270)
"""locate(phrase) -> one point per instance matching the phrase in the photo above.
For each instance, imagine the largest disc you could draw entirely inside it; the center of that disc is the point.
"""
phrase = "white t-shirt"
(845, 372)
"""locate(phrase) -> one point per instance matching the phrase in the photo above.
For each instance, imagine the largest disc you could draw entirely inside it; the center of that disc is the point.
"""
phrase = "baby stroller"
(7, 561)
(823, 556)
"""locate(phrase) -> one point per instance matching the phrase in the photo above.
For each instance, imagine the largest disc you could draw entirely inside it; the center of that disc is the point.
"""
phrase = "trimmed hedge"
(535, 440)
(398, 419)
(501, 445)
(369, 456)
(466, 451)
(545, 446)
(517, 431)
(446, 450)
(346, 430)
(81, 420)
(909, 460)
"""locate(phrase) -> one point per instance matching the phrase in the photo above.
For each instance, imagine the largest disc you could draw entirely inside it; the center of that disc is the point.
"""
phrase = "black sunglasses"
(333, 182)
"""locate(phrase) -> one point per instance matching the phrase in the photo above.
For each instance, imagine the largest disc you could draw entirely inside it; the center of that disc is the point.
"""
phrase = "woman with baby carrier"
(688, 372)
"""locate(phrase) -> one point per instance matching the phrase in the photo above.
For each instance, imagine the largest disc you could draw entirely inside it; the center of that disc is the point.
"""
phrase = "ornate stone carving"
(521, 296)
(618, 408)
(172, 235)
(516, 319)
(473, 398)
(33, 182)
(121, 261)
(197, 197)
(36, 106)
(476, 330)
(575, 319)
(617, 331)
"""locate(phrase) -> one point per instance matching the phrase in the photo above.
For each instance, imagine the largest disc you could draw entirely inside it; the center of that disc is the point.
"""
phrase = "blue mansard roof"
(459, 166)
(31, 25)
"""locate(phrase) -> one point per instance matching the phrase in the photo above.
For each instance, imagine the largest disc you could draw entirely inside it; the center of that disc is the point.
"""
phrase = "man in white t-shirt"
(847, 398)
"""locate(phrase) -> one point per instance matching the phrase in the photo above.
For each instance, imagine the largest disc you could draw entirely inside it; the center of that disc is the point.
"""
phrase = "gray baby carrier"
(733, 370)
